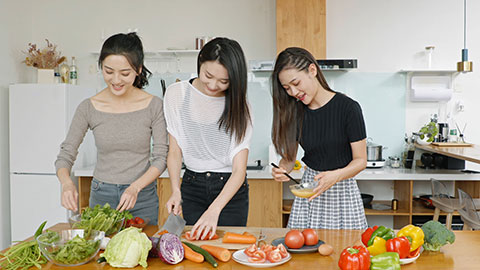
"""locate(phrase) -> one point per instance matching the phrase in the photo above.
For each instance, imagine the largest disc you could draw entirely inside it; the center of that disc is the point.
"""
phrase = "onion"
(153, 253)
(170, 249)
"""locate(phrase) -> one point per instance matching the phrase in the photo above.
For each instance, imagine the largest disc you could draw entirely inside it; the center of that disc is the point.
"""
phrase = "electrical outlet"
(458, 87)
(460, 106)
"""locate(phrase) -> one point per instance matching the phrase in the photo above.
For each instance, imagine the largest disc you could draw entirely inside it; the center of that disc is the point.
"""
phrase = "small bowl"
(141, 226)
(75, 221)
(367, 199)
(50, 249)
(304, 190)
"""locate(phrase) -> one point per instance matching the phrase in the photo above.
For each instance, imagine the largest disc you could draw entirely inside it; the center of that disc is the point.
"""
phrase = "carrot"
(237, 238)
(218, 252)
(192, 255)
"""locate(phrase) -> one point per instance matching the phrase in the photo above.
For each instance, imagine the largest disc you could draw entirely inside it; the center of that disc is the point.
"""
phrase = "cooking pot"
(374, 151)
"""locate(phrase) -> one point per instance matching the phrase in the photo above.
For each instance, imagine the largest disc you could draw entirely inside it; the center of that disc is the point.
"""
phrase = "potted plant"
(45, 60)
(426, 135)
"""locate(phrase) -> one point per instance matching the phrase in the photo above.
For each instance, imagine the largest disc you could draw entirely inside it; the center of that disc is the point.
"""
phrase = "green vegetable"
(382, 232)
(385, 261)
(102, 218)
(209, 258)
(436, 235)
(74, 251)
(128, 248)
(24, 255)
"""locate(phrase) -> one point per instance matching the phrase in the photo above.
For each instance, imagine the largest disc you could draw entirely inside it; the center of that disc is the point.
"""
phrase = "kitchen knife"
(174, 224)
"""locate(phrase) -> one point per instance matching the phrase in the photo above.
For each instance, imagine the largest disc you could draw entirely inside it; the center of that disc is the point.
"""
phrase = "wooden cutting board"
(218, 242)
(447, 144)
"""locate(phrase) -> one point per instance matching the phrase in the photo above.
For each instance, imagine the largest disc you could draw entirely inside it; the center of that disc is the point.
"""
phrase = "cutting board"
(447, 144)
(218, 242)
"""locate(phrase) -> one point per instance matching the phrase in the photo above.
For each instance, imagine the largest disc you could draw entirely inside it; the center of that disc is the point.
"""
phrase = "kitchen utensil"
(376, 164)
(304, 249)
(50, 248)
(174, 224)
(304, 190)
(291, 178)
(240, 257)
(261, 237)
(374, 151)
(367, 200)
(394, 162)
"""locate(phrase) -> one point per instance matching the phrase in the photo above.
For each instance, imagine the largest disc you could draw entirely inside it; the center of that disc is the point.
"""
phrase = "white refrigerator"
(40, 116)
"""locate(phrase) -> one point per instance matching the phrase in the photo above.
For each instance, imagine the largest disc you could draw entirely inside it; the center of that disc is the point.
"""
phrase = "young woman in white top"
(210, 126)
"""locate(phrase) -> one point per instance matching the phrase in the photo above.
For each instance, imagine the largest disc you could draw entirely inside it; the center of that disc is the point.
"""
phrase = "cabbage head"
(128, 248)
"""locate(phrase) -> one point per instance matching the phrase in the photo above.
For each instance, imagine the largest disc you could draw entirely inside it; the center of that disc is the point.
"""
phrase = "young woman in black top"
(330, 128)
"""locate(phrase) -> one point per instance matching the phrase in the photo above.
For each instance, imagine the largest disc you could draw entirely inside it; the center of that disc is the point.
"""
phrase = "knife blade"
(174, 224)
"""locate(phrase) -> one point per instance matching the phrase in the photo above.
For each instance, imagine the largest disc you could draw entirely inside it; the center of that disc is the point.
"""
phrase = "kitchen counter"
(463, 254)
(385, 173)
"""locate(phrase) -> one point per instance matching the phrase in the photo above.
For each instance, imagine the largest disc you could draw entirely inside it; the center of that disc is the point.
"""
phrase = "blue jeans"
(199, 190)
(145, 207)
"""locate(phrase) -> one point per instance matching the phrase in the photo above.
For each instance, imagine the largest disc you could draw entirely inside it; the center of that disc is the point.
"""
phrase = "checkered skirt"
(340, 207)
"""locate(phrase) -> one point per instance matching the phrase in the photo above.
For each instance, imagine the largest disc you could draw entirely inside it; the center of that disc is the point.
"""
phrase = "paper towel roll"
(428, 94)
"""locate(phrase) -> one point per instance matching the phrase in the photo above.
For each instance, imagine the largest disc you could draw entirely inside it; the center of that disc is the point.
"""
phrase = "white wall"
(387, 36)
(15, 33)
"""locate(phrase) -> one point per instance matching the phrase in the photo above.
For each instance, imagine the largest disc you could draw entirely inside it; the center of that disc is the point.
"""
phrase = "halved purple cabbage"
(170, 249)
(153, 253)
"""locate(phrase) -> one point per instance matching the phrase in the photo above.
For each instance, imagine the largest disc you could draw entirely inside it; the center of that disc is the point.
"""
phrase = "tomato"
(267, 248)
(139, 220)
(283, 251)
(294, 239)
(414, 253)
(250, 250)
(258, 257)
(311, 237)
(274, 256)
(130, 222)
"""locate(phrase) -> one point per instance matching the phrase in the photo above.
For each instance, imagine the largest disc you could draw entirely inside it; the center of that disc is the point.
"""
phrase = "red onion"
(170, 249)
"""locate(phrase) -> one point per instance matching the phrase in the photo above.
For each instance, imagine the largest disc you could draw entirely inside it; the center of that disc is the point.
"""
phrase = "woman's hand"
(279, 174)
(206, 223)
(129, 198)
(325, 181)
(175, 203)
(70, 196)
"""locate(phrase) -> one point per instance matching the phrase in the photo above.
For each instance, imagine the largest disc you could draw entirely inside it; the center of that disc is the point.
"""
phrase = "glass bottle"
(73, 72)
(64, 70)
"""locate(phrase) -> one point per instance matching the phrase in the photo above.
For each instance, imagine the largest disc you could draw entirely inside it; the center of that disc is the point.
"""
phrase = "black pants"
(199, 190)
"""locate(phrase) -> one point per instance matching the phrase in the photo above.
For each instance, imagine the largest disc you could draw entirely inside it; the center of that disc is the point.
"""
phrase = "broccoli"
(436, 235)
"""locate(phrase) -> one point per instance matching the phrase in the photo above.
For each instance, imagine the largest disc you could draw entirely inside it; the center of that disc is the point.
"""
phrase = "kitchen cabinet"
(265, 200)
(302, 23)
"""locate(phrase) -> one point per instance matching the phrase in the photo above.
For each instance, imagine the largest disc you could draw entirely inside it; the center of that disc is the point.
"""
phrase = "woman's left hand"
(325, 181)
(206, 223)
(128, 199)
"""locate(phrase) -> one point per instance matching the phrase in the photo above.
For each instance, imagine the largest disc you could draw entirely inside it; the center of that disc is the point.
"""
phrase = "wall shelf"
(429, 71)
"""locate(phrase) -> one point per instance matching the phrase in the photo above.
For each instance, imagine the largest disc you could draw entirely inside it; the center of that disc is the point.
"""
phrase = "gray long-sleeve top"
(127, 143)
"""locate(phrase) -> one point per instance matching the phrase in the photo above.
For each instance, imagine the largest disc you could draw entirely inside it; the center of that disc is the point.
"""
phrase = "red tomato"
(250, 250)
(311, 237)
(139, 220)
(267, 248)
(414, 253)
(294, 239)
(258, 257)
(130, 222)
(283, 251)
(274, 256)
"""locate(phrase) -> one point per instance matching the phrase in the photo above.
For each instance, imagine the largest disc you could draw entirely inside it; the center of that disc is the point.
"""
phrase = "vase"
(45, 75)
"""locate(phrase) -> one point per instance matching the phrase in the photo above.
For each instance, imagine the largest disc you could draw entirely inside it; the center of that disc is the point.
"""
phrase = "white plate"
(242, 258)
(410, 260)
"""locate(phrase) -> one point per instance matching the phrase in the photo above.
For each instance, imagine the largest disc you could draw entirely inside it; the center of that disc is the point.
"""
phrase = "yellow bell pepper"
(379, 246)
(413, 233)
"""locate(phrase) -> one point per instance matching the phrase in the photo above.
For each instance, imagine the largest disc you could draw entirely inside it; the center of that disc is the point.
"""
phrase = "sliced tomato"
(250, 250)
(190, 238)
(414, 253)
(274, 256)
(139, 220)
(258, 257)
(267, 248)
(283, 251)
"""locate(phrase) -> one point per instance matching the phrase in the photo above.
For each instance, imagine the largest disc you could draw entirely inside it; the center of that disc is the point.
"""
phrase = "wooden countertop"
(463, 254)
(468, 153)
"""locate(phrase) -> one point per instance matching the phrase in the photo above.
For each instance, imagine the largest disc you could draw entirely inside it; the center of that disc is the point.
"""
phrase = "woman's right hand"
(175, 203)
(279, 174)
(70, 196)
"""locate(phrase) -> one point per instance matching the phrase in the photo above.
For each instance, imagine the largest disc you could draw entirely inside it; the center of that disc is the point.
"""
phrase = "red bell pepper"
(354, 258)
(401, 245)
(367, 234)
(414, 253)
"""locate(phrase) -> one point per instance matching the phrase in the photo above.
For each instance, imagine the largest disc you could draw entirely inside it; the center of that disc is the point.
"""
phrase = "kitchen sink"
(255, 168)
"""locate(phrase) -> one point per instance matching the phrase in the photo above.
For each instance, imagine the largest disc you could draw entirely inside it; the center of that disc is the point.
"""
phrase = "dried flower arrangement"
(46, 58)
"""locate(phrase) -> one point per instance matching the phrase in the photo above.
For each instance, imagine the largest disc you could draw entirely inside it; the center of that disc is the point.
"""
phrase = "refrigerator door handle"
(22, 173)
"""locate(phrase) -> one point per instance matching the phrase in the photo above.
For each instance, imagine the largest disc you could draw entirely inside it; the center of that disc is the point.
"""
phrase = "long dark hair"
(236, 114)
(287, 112)
(130, 46)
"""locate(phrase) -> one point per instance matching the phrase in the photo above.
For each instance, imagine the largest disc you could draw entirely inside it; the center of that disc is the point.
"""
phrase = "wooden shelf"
(387, 212)
(419, 210)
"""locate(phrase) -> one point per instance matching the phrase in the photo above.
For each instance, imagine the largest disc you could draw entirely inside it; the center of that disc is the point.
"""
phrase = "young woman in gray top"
(130, 135)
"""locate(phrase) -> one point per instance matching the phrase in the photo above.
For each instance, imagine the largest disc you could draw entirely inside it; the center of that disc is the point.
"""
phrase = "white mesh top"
(192, 118)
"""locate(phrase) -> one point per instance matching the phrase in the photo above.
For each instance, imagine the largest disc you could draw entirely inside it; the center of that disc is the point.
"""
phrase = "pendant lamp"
(465, 65)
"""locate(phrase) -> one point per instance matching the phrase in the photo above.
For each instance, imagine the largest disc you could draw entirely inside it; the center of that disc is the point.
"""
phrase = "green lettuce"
(128, 248)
